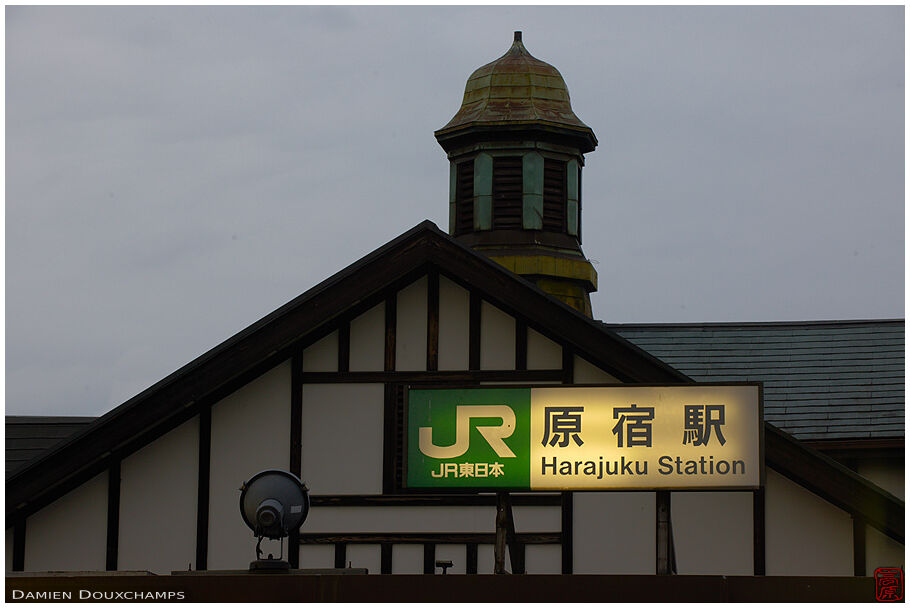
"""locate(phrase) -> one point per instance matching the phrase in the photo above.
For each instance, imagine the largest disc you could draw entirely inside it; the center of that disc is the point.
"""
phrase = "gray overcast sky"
(174, 173)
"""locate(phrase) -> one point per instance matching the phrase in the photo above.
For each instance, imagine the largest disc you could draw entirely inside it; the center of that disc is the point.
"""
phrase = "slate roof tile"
(822, 379)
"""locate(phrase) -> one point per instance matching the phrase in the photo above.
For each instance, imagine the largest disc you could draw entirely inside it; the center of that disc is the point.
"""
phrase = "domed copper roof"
(516, 88)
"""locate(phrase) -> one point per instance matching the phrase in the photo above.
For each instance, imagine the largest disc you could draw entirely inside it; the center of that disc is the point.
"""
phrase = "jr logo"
(463, 414)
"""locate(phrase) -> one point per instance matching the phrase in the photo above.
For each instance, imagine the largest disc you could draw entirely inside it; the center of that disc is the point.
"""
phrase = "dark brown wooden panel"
(507, 192)
(554, 195)
(464, 197)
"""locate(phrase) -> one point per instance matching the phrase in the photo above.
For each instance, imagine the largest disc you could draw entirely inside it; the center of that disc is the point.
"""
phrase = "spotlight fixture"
(273, 503)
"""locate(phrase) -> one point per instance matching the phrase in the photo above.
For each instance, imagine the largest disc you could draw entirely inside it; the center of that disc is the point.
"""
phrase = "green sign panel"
(584, 438)
(469, 438)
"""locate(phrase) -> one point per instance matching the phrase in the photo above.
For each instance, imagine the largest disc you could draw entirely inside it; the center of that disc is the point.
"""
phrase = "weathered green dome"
(515, 89)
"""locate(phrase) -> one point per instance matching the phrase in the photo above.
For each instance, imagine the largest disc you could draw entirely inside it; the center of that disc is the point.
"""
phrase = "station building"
(501, 298)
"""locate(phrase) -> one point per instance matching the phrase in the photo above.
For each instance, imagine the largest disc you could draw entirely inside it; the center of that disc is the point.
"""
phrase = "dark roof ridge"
(756, 323)
(50, 418)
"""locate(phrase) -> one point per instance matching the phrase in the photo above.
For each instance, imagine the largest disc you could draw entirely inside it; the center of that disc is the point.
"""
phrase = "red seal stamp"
(889, 584)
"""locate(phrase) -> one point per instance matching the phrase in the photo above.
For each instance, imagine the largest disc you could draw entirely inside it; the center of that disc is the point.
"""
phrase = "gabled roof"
(273, 339)
(822, 379)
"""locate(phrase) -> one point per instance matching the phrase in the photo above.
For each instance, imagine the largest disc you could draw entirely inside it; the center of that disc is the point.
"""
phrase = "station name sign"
(628, 437)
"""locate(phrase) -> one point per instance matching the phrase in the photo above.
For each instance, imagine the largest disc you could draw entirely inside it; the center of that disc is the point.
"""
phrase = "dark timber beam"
(391, 322)
(113, 515)
(521, 344)
(758, 532)
(18, 564)
(296, 451)
(448, 377)
(432, 320)
(420, 538)
(474, 313)
(344, 346)
(834, 482)
(568, 518)
(202, 501)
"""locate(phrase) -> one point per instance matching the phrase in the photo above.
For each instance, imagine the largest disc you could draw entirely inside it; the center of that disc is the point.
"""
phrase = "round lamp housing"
(274, 503)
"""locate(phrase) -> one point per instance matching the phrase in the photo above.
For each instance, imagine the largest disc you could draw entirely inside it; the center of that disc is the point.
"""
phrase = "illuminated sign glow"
(626, 437)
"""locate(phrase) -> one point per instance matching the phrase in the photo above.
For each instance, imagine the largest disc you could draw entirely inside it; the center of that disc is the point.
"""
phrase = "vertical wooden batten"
(296, 451)
(859, 546)
(568, 365)
(390, 439)
(474, 332)
(344, 346)
(433, 320)
(521, 344)
(567, 514)
(665, 558)
(113, 514)
(385, 558)
(470, 558)
(429, 558)
(758, 532)
(391, 319)
(202, 508)
(19, 545)
(340, 554)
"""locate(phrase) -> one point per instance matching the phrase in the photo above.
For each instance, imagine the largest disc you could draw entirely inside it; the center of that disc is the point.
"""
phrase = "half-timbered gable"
(315, 388)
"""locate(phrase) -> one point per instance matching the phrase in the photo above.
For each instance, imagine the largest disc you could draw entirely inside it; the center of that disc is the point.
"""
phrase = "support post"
(499, 549)
(505, 535)
(666, 555)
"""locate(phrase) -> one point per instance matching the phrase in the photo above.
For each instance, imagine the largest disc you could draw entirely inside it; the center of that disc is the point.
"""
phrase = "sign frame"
(403, 487)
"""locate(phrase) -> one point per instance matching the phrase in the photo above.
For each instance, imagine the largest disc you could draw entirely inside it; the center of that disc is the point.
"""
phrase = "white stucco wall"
(537, 519)
(543, 559)
(586, 373)
(454, 325)
(882, 551)
(401, 519)
(886, 474)
(342, 438)
(712, 532)
(368, 341)
(804, 534)
(411, 327)
(456, 553)
(614, 533)
(317, 556)
(158, 496)
(250, 432)
(367, 556)
(71, 532)
(497, 338)
(407, 559)
(322, 355)
(543, 353)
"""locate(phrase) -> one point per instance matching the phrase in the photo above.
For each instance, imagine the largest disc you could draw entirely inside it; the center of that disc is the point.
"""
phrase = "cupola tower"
(516, 151)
